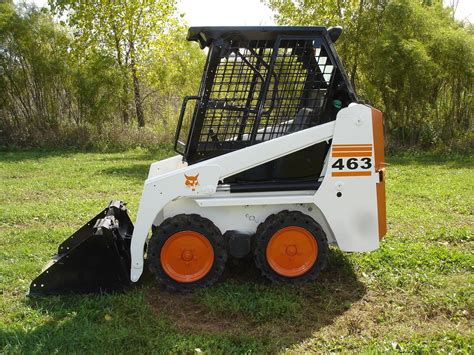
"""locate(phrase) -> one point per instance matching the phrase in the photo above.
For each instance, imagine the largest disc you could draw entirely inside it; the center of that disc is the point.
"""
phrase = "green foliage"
(80, 81)
(407, 57)
(91, 67)
(94, 83)
(139, 35)
(173, 74)
(31, 71)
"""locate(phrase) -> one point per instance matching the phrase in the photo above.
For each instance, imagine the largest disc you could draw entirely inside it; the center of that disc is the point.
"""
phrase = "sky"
(252, 12)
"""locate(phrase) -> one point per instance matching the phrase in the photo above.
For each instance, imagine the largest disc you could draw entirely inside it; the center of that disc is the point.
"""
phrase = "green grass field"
(414, 294)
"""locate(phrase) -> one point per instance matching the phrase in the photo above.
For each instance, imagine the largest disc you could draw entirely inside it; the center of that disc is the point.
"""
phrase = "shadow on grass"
(137, 172)
(129, 169)
(241, 313)
(244, 303)
(114, 323)
(25, 155)
(161, 152)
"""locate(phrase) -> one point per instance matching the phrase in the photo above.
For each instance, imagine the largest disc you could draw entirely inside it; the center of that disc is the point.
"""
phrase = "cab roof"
(206, 35)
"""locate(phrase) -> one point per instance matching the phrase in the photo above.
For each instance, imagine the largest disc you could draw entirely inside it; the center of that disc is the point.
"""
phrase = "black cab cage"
(260, 83)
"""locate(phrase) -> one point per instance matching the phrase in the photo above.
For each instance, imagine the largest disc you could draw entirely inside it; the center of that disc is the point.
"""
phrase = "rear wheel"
(290, 247)
(186, 251)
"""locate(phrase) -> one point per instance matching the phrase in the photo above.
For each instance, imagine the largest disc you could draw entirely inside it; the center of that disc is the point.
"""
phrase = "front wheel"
(186, 252)
(290, 247)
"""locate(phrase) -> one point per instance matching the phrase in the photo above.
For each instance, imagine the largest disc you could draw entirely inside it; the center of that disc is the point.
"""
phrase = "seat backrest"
(301, 121)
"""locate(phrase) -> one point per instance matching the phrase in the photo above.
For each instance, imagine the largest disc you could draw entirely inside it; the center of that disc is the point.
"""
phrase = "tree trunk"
(124, 104)
(122, 65)
(138, 99)
(357, 48)
(136, 89)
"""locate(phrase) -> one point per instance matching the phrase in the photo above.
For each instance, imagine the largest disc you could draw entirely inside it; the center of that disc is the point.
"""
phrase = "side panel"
(347, 196)
(303, 164)
(165, 166)
(243, 218)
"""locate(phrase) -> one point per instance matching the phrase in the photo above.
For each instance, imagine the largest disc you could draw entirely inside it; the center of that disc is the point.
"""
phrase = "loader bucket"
(95, 259)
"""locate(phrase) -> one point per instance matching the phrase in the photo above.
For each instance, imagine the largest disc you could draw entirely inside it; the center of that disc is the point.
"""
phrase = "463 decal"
(352, 163)
(351, 160)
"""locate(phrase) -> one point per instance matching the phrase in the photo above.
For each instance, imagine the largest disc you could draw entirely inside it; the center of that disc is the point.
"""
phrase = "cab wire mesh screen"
(256, 90)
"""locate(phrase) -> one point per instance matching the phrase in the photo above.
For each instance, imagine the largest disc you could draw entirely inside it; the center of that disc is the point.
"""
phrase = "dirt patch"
(317, 304)
(187, 312)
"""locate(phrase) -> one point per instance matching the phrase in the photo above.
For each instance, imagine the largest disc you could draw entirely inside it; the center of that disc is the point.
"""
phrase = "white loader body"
(349, 204)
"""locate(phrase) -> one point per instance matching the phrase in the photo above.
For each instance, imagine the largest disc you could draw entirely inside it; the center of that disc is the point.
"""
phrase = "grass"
(414, 294)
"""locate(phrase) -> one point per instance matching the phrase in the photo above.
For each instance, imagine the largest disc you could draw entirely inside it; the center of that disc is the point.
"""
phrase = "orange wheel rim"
(187, 256)
(292, 251)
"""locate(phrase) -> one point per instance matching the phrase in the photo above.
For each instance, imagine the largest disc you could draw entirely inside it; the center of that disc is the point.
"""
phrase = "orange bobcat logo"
(191, 181)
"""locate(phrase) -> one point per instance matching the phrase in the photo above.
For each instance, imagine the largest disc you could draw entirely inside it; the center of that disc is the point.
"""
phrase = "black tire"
(179, 223)
(274, 223)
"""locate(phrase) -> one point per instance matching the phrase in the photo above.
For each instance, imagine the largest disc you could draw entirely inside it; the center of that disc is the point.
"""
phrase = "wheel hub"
(292, 251)
(187, 256)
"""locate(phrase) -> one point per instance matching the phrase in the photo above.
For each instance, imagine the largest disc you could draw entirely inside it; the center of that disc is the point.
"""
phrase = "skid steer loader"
(276, 159)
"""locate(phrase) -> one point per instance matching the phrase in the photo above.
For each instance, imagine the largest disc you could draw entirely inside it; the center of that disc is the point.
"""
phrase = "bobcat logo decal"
(191, 181)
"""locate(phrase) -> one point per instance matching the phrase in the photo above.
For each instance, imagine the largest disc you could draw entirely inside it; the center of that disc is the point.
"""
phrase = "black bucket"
(95, 259)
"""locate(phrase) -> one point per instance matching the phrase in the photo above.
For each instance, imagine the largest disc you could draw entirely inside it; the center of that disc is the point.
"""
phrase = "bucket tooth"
(95, 259)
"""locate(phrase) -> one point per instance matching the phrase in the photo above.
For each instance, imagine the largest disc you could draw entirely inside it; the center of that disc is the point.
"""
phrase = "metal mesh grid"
(235, 93)
(304, 74)
(265, 89)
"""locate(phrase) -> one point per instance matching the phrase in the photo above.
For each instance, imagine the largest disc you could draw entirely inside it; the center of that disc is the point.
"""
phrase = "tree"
(30, 70)
(352, 15)
(68, 81)
(410, 58)
(44, 89)
(127, 30)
